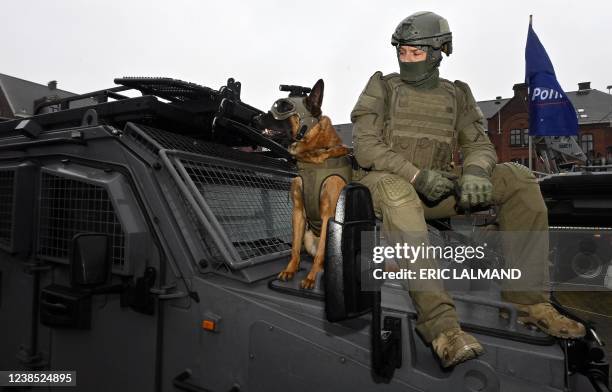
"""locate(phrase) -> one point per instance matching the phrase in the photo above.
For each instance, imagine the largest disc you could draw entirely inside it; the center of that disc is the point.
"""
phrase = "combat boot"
(455, 346)
(546, 318)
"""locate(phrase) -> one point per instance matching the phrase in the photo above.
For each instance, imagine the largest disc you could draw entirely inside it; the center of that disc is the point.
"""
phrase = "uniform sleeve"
(368, 117)
(475, 145)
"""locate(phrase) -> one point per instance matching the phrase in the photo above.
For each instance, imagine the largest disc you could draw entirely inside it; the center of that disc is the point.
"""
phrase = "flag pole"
(530, 152)
(529, 137)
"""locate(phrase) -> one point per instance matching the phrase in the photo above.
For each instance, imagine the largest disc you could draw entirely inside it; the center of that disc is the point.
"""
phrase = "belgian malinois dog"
(324, 169)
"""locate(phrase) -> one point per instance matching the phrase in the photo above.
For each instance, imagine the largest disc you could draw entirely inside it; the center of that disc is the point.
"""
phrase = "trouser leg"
(523, 221)
(398, 205)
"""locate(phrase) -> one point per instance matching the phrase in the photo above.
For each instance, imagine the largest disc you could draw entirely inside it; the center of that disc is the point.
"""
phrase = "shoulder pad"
(390, 76)
(468, 109)
(448, 85)
(464, 87)
(392, 80)
(376, 78)
(372, 98)
(376, 86)
(465, 94)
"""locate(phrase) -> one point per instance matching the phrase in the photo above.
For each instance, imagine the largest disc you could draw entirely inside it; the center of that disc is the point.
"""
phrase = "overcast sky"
(84, 44)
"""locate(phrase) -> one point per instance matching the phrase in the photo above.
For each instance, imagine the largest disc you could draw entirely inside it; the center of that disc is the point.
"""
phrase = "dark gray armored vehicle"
(139, 241)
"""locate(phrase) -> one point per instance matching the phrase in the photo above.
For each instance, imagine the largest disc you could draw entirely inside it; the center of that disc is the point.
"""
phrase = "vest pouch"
(405, 146)
(423, 155)
(442, 156)
(418, 151)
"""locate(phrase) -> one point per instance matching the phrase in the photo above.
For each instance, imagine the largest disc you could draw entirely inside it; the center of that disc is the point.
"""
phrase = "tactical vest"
(420, 123)
(313, 175)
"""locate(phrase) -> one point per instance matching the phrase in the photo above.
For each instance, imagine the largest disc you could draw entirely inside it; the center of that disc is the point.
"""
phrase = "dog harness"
(313, 175)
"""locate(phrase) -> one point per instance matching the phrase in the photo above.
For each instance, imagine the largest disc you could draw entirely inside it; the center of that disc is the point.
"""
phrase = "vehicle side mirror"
(90, 260)
(347, 294)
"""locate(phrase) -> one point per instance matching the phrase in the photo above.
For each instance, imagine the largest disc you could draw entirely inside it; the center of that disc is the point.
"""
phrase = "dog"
(319, 151)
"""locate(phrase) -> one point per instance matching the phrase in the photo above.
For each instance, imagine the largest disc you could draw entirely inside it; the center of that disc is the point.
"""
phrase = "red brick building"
(508, 123)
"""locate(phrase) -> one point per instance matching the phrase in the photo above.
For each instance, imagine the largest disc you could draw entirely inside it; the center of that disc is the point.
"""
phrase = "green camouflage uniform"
(399, 129)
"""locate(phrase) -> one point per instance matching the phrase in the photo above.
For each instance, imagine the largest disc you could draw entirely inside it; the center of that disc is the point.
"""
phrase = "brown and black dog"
(318, 144)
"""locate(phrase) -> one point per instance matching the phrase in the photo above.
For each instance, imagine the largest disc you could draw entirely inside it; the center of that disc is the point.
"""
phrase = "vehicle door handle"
(180, 382)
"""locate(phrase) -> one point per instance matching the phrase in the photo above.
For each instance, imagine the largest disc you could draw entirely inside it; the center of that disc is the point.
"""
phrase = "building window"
(586, 142)
(515, 137)
(519, 137)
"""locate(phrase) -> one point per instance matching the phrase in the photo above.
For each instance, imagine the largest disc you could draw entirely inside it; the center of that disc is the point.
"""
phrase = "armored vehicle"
(139, 242)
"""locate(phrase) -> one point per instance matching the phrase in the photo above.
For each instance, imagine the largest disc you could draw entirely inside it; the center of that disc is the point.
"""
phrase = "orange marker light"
(209, 325)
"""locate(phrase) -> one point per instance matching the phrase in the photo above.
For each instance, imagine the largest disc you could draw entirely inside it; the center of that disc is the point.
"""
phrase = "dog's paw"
(286, 274)
(309, 282)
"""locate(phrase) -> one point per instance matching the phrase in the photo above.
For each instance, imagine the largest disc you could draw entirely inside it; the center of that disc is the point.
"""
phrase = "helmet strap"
(305, 125)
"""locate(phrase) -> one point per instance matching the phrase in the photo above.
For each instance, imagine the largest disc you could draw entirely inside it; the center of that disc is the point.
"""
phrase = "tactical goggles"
(284, 108)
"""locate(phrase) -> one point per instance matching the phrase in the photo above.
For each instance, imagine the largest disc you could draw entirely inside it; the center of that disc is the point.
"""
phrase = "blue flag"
(551, 113)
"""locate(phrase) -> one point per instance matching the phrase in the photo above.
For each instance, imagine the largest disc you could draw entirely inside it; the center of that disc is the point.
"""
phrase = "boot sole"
(468, 352)
(533, 324)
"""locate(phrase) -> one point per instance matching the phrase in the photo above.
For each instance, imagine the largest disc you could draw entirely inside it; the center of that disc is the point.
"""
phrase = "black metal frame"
(187, 109)
(100, 96)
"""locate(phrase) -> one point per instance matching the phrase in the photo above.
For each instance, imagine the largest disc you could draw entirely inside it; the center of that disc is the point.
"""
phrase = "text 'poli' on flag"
(550, 111)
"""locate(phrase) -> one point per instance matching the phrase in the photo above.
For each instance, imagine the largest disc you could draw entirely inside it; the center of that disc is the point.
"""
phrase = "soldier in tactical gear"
(406, 127)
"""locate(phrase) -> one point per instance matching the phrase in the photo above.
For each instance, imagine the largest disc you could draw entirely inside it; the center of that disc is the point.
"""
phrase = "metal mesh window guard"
(7, 183)
(174, 141)
(68, 207)
(252, 207)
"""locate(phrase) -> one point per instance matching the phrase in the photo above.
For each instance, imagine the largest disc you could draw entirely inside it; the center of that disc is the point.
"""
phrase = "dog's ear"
(315, 98)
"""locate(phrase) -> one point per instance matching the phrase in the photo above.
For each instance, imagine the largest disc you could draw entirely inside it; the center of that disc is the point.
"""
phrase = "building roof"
(593, 106)
(491, 107)
(21, 94)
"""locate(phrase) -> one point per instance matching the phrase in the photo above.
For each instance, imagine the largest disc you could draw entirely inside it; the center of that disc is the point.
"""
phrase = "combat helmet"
(424, 28)
(427, 31)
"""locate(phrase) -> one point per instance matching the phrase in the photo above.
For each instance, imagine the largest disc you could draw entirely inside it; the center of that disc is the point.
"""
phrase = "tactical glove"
(476, 187)
(433, 184)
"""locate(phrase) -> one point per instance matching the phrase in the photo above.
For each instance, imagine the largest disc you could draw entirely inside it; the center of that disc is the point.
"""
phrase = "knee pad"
(395, 191)
(513, 176)
(522, 172)
(523, 181)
